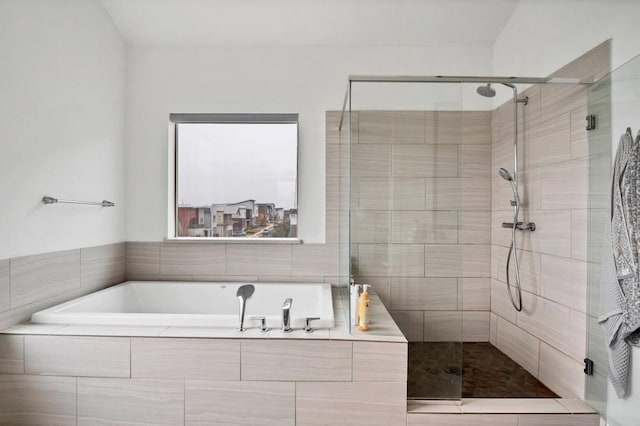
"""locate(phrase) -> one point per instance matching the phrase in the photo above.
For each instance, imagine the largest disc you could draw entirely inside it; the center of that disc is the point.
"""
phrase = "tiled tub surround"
(421, 215)
(185, 375)
(548, 337)
(32, 283)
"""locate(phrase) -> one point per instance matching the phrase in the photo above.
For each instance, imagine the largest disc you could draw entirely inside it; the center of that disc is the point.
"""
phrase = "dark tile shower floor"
(434, 373)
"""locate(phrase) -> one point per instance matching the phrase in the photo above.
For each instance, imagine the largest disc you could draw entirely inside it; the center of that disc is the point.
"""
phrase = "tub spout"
(244, 292)
(286, 315)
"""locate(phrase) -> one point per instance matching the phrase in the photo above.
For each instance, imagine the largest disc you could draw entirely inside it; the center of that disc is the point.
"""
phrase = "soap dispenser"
(355, 295)
(363, 309)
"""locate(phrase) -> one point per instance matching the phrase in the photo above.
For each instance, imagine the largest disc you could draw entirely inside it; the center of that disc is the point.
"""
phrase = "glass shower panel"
(614, 100)
(407, 203)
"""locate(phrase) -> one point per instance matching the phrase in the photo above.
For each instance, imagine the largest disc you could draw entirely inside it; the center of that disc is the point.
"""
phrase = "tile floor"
(435, 367)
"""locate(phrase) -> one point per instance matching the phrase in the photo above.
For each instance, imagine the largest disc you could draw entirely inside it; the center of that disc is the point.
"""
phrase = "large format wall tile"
(314, 259)
(11, 354)
(371, 226)
(560, 373)
(458, 194)
(410, 227)
(476, 294)
(558, 420)
(434, 294)
(475, 161)
(219, 403)
(424, 161)
(260, 259)
(519, 345)
(217, 359)
(347, 404)
(369, 160)
(296, 360)
(390, 359)
(37, 400)
(130, 402)
(457, 260)
(400, 260)
(5, 275)
(474, 227)
(192, 259)
(549, 142)
(34, 278)
(77, 356)
(142, 259)
(565, 185)
(388, 127)
(103, 266)
(564, 281)
(411, 323)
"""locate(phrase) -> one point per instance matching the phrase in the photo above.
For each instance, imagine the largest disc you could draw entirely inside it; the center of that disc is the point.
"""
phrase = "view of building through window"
(236, 180)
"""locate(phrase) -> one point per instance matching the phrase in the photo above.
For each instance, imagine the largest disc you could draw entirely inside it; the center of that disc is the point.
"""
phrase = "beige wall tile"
(579, 138)
(558, 420)
(552, 234)
(130, 402)
(459, 260)
(77, 356)
(560, 373)
(476, 127)
(192, 259)
(41, 276)
(565, 281)
(558, 99)
(579, 233)
(530, 268)
(239, 403)
(217, 359)
(379, 362)
(254, 259)
(142, 259)
(459, 419)
(475, 326)
(391, 127)
(519, 345)
(424, 161)
(443, 326)
(347, 404)
(474, 227)
(332, 193)
(332, 227)
(371, 160)
(370, 226)
(314, 259)
(407, 194)
(370, 194)
(476, 294)
(102, 266)
(500, 303)
(549, 142)
(458, 194)
(412, 227)
(554, 324)
(280, 360)
(401, 260)
(332, 160)
(565, 185)
(411, 323)
(424, 294)
(37, 400)
(11, 354)
(493, 329)
(5, 278)
(475, 161)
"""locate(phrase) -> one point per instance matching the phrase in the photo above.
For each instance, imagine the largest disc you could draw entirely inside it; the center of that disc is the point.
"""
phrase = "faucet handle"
(263, 323)
(307, 327)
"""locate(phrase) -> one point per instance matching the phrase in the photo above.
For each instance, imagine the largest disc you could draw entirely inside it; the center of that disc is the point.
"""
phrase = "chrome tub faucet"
(286, 315)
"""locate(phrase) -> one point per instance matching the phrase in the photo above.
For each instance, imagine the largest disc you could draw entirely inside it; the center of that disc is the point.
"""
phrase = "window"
(236, 175)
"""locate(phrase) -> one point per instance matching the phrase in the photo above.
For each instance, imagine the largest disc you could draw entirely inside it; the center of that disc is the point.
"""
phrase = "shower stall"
(467, 204)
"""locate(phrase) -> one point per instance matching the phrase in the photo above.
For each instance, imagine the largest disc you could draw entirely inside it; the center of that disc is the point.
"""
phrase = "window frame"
(175, 119)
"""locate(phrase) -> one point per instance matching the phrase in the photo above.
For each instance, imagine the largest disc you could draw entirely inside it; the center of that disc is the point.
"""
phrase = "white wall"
(543, 35)
(62, 71)
(306, 80)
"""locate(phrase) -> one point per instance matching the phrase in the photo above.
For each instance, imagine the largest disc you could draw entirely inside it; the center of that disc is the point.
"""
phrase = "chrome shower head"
(486, 91)
(504, 174)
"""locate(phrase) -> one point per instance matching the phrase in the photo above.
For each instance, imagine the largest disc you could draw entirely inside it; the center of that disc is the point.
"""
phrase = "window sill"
(233, 240)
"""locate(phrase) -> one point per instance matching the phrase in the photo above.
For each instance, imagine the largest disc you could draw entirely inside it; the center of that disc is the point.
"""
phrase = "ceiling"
(310, 22)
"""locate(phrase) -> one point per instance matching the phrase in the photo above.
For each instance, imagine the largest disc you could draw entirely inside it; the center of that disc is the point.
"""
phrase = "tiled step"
(502, 412)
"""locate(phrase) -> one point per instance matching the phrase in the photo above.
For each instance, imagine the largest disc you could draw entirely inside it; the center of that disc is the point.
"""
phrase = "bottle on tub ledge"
(363, 309)
(355, 300)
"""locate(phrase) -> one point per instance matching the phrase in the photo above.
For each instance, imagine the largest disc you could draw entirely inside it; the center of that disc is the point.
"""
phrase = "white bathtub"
(200, 304)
